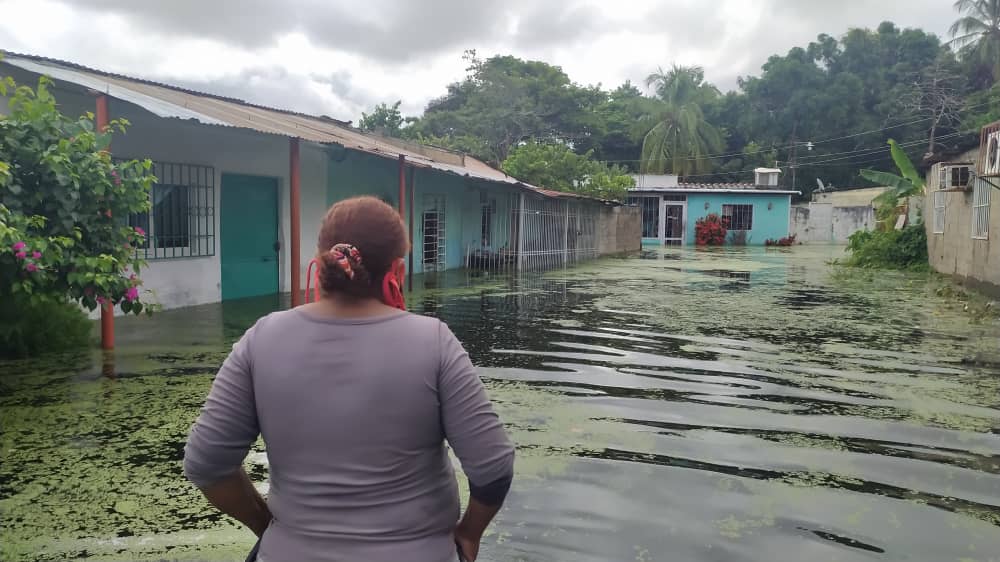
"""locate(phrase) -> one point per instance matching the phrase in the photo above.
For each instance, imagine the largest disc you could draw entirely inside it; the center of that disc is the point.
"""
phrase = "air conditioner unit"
(989, 151)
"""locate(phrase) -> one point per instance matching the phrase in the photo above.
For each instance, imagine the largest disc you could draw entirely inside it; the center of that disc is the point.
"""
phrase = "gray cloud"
(400, 37)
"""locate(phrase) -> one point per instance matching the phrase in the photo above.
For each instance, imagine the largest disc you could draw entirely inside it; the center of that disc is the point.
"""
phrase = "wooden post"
(295, 218)
(108, 308)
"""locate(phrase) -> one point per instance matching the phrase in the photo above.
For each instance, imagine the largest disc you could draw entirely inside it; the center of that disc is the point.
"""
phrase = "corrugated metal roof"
(714, 188)
(173, 102)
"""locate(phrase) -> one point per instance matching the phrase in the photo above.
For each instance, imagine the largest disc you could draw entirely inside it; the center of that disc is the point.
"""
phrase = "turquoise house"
(756, 212)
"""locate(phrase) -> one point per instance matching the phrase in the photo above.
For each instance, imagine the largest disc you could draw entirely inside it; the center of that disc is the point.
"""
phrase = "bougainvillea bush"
(710, 230)
(64, 207)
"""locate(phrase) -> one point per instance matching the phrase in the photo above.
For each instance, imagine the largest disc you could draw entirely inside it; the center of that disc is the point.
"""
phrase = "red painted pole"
(413, 176)
(108, 308)
(295, 212)
(402, 187)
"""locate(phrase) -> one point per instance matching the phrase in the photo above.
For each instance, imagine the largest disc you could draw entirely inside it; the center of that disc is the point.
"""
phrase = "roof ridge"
(77, 66)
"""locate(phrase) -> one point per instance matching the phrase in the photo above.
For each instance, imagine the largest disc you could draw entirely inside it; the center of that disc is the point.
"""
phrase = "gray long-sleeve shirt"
(354, 414)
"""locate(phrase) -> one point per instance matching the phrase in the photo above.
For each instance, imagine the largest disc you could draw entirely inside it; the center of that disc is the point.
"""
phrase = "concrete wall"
(849, 197)
(830, 224)
(954, 252)
(767, 223)
(619, 230)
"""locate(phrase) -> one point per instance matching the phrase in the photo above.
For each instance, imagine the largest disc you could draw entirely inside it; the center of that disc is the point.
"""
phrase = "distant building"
(962, 214)
(670, 208)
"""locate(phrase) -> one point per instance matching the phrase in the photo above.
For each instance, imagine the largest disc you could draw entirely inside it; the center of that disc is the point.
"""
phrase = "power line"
(821, 141)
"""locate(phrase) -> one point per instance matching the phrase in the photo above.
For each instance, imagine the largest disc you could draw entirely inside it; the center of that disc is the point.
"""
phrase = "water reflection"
(681, 405)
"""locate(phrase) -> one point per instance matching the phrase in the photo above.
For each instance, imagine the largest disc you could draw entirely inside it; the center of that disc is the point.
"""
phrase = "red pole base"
(107, 326)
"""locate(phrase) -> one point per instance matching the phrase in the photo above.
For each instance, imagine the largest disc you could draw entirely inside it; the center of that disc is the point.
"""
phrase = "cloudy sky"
(338, 58)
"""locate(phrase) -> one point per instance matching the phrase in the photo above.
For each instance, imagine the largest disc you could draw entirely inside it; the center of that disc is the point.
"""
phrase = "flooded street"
(731, 405)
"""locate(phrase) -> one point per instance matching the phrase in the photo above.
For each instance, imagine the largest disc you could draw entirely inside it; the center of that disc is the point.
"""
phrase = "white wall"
(826, 223)
(192, 281)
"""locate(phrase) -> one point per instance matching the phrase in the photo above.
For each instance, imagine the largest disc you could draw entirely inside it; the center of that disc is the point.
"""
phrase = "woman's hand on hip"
(468, 544)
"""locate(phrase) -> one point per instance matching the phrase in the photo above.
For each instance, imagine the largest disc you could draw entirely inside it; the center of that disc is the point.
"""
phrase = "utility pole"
(795, 152)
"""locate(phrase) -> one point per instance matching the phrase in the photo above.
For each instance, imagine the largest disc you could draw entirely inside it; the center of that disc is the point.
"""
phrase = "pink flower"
(132, 294)
(140, 231)
(18, 246)
(21, 255)
(37, 255)
(101, 301)
(31, 267)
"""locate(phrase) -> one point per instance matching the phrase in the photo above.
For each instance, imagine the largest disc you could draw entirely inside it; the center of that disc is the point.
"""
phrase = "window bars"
(740, 217)
(981, 210)
(535, 234)
(435, 248)
(181, 220)
(939, 208)
(650, 208)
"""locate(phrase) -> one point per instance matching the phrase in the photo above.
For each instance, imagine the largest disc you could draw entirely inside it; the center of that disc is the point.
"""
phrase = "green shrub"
(894, 249)
(49, 326)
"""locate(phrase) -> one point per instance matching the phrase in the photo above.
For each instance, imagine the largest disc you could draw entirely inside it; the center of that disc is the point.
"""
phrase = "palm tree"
(681, 137)
(979, 26)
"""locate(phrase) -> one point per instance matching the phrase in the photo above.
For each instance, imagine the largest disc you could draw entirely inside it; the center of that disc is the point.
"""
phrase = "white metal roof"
(695, 188)
(173, 102)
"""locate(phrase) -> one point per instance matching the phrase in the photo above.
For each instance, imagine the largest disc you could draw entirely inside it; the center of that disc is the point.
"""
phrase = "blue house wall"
(353, 173)
(767, 222)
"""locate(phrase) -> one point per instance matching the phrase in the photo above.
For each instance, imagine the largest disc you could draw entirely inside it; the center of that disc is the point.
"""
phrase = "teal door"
(249, 236)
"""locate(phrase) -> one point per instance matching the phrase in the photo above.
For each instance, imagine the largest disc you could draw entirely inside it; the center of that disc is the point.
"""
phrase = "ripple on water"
(680, 405)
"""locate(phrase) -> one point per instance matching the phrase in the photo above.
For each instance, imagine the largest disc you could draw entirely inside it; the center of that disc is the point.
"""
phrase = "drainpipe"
(409, 269)
(108, 308)
(294, 234)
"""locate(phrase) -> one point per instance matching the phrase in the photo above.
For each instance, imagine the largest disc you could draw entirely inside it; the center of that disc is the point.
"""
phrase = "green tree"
(504, 100)
(63, 207)
(909, 182)
(385, 119)
(557, 167)
(681, 138)
(979, 27)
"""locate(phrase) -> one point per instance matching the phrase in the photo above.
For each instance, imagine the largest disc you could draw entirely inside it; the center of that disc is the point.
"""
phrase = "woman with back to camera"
(354, 399)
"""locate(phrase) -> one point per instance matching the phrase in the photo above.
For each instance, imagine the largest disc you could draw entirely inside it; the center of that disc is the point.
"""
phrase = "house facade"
(241, 191)
(756, 212)
(962, 215)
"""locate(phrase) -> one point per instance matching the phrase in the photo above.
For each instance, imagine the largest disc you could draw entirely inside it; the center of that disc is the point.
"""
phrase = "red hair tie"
(343, 255)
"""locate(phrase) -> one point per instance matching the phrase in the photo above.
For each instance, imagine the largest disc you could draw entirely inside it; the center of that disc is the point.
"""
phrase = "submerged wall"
(619, 230)
(830, 224)
(974, 261)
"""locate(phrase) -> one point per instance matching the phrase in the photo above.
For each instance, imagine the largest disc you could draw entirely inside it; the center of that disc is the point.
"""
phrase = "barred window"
(738, 217)
(650, 215)
(954, 177)
(939, 203)
(981, 210)
(181, 222)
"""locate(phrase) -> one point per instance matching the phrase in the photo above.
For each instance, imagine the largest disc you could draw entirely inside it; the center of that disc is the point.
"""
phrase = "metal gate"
(434, 239)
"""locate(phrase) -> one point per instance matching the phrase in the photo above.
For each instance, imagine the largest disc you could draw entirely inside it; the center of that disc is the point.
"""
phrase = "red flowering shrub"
(710, 230)
(786, 241)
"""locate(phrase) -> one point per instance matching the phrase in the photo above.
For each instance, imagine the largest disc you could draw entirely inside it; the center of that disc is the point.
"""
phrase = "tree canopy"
(555, 166)
(821, 111)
